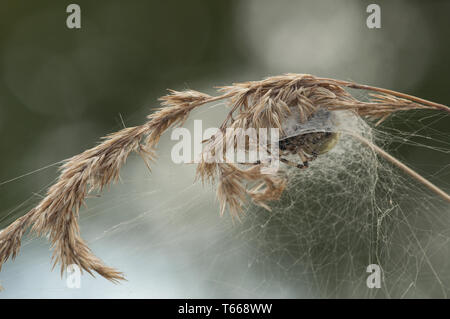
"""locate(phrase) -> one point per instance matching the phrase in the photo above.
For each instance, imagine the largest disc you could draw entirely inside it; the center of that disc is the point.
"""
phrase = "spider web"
(348, 210)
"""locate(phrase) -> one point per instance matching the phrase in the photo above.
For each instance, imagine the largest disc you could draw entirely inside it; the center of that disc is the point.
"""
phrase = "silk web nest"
(275, 102)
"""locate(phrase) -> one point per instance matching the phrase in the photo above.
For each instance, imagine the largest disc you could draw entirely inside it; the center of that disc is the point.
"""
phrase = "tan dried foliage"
(257, 104)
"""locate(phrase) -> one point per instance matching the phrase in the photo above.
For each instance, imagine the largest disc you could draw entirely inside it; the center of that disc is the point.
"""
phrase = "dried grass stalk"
(257, 104)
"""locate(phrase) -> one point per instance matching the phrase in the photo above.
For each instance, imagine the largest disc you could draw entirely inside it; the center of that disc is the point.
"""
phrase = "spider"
(309, 140)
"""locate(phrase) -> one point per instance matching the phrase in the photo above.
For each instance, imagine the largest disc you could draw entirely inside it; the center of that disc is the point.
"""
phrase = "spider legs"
(307, 157)
(305, 161)
(251, 163)
(293, 164)
(303, 158)
(283, 160)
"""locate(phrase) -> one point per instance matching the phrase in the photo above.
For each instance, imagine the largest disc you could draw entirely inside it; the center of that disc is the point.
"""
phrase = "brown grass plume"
(255, 104)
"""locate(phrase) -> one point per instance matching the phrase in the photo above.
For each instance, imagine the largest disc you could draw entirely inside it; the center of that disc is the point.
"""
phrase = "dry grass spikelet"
(257, 104)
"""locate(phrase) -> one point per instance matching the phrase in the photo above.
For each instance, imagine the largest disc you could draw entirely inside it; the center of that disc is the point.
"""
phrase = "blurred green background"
(61, 89)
